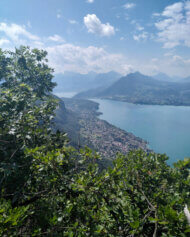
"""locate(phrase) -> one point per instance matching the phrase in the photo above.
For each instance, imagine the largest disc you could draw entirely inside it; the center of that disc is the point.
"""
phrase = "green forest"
(49, 188)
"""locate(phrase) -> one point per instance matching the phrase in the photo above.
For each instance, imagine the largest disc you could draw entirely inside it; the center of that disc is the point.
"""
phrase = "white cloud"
(177, 65)
(154, 60)
(62, 56)
(129, 5)
(14, 35)
(180, 61)
(73, 22)
(174, 27)
(141, 37)
(68, 57)
(94, 25)
(172, 65)
(4, 41)
(139, 27)
(155, 14)
(162, 25)
(56, 38)
(90, 1)
(133, 22)
(168, 54)
(173, 10)
(15, 32)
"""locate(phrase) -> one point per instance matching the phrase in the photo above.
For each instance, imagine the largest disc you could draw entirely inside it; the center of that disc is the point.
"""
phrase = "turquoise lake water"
(166, 128)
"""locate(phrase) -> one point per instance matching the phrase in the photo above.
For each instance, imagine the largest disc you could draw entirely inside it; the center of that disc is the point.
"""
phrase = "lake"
(166, 128)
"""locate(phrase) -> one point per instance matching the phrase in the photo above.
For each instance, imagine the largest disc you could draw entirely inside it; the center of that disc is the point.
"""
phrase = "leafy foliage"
(49, 188)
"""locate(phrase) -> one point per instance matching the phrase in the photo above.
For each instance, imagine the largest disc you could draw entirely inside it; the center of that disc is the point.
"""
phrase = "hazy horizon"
(101, 36)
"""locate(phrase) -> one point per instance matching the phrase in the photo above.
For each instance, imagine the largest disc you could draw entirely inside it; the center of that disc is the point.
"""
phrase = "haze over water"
(166, 128)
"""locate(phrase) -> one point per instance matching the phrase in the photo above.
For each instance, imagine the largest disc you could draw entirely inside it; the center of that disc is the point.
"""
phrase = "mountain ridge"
(141, 89)
(70, 81)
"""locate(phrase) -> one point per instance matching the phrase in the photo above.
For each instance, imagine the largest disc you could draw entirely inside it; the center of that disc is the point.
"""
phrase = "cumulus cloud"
(4, 41)
(94, 25)
(90, 1)
(141, 37)
(129, 5)
(180, 61)
(173, 65)
(174, 27)
(173, 10)
(15, 35)
(14, 32)
(63, 56)
(68, 57)
(177, 65)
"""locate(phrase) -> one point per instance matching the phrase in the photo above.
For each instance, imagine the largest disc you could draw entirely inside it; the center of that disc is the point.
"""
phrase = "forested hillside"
(140, 89)
(48, 188)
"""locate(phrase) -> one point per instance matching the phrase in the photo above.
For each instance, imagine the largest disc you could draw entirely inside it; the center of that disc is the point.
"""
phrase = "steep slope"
(68, 121)
(78, 118)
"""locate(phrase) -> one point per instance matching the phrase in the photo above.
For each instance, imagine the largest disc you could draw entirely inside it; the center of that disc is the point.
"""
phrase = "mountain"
(70, 81)
(141, 89)
(92, 93)
(186, 80)
(164, 77)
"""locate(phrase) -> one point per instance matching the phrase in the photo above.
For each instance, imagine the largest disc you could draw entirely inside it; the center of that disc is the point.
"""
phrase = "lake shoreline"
(139, 103)
(166, 128)
(99, 134)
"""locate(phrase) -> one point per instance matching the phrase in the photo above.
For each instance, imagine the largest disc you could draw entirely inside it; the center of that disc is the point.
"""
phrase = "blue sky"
(150, 36)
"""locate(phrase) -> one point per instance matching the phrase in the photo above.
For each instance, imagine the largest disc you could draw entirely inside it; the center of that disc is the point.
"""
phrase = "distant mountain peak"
(164, 77)
(76, 82)
(136, 75)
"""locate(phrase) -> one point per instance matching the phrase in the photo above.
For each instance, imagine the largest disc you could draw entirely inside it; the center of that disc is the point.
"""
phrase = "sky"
(149, 36)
